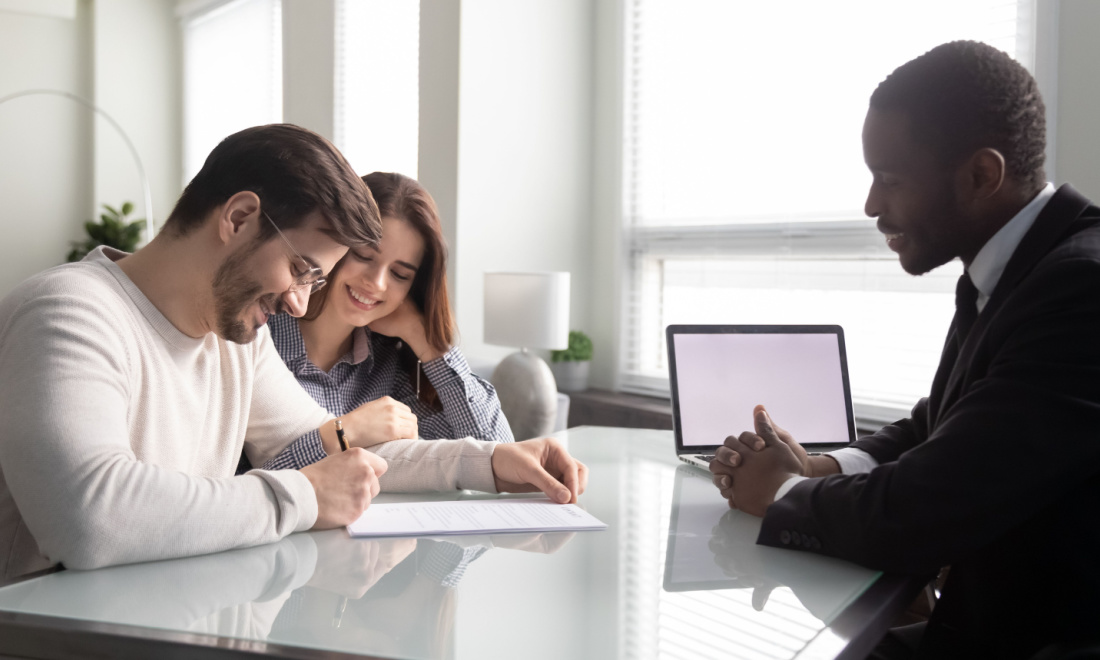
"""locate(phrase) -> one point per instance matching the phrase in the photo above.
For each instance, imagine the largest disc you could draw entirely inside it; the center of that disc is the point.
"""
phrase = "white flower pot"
(571, 376)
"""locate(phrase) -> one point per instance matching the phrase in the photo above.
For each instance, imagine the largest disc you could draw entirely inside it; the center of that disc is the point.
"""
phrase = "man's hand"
(378, 421)
(546, 543)
(345, 484)
(535, 465)
(749, 469)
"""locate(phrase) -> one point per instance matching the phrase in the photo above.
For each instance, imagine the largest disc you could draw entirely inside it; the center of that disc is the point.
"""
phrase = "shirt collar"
(990, 262)
(360, 346)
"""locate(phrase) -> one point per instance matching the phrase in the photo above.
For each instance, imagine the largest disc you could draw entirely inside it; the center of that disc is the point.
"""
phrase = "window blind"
(744, 179)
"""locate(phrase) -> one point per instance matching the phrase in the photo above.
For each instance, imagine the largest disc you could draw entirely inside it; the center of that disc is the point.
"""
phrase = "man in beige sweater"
(129, 384)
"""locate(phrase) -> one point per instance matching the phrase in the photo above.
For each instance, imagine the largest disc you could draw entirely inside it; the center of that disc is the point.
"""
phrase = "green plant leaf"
(127, 208)
(112, 209)
(579, 350)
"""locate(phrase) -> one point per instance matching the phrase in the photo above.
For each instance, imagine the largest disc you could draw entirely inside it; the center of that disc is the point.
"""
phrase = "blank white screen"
(797, 377)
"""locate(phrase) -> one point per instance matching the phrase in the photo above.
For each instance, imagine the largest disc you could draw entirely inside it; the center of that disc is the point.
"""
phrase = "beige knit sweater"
(119, 435)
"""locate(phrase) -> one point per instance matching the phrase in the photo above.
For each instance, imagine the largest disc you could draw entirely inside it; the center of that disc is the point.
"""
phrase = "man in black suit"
(997, 472)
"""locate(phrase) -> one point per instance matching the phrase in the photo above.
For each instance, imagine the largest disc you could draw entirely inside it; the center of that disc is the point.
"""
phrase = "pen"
(340, 435)
(340, 607)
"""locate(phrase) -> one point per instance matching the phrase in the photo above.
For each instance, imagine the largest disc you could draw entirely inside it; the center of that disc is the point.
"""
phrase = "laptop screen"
(719, 373)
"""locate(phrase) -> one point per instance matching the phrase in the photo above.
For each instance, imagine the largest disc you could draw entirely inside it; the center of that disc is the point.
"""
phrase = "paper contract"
(472, 517)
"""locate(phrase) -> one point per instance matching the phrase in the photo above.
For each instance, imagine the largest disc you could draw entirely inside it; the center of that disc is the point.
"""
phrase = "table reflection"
(722, 591)
(403, 601)
(383, 596)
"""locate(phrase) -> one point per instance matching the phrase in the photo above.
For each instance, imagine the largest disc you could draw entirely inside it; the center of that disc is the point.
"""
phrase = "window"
(232, 73)
(377, 84)
(744, 179)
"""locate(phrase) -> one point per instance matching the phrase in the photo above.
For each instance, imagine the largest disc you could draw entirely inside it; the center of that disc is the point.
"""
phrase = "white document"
(472, 517)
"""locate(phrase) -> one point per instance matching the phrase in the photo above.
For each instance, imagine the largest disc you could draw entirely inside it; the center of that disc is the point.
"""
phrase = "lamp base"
(528, 394)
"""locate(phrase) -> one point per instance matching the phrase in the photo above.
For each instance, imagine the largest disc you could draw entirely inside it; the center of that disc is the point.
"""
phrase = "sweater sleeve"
(67, 458)
(283, 416)
(470, 404)
(437, 465)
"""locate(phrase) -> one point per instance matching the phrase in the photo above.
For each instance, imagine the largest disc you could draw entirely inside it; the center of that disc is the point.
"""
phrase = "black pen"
(340, 435)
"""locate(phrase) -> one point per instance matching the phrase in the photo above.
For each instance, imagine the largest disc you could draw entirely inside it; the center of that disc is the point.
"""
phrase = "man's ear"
(985, 174)
(239, 217)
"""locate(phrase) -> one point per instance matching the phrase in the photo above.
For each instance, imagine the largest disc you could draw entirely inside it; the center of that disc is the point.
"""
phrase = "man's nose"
(872, 207)
(296, 301)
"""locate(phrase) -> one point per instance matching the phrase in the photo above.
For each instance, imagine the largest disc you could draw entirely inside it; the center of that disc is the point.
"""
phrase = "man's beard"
(234, 292)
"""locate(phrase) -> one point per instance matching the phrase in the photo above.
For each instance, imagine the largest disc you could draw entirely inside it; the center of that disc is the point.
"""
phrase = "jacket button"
(806, 540)
(815, 543)
(785, 537)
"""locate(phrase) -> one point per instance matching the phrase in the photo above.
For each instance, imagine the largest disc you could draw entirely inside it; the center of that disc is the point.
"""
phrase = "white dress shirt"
(985, 272)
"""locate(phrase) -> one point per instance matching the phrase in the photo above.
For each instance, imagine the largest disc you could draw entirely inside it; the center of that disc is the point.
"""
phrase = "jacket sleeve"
(1021, 436)
(895, 439)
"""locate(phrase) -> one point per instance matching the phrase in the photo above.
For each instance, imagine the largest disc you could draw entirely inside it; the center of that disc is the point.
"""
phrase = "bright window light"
(232, 74)
(377, 84)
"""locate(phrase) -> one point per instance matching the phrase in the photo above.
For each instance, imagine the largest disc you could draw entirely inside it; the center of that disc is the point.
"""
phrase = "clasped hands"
(749, 468)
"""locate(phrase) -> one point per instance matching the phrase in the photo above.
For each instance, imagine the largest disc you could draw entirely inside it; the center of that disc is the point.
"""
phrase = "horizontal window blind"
(744, 179)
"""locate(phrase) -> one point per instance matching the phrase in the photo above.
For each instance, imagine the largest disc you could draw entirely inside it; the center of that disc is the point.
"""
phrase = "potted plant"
(570, 366)
(113, 230)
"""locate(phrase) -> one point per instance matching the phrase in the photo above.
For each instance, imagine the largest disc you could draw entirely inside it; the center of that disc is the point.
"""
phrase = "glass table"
(676, 574)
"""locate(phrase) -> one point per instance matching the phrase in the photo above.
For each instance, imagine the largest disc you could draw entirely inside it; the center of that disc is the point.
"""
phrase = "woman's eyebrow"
(408, 265)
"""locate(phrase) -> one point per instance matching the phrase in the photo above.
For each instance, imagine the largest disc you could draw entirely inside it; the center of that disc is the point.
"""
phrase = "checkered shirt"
(371, 371)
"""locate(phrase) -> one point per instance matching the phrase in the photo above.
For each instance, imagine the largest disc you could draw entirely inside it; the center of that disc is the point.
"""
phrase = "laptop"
(718, 373)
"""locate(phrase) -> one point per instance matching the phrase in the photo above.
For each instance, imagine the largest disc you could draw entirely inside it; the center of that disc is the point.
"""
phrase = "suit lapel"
(1049, 228)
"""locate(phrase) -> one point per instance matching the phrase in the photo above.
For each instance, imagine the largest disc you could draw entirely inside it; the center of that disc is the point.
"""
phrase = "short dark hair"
(294, 171)
(965, 95)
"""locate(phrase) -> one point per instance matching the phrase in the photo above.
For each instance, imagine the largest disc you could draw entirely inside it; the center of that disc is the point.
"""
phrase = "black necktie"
(966, 306)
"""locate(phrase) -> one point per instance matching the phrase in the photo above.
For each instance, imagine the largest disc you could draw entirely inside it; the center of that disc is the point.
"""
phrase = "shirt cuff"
(853, 461)
(787, 486)
(450, 367)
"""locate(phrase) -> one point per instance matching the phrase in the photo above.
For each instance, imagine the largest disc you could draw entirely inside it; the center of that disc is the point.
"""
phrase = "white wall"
(524, 158)
(45, 148)
(607, 255)
(57, 161)
(309, 60)
(1077, 157)
(138, 82)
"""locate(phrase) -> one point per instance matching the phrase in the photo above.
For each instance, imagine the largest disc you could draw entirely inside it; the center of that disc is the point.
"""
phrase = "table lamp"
(527, 310)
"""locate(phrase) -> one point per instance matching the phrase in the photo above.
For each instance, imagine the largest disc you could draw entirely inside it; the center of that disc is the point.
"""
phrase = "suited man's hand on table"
(541, 464)
(750, 468)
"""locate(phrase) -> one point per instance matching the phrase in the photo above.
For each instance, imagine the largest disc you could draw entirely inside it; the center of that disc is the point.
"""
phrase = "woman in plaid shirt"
(377, 341)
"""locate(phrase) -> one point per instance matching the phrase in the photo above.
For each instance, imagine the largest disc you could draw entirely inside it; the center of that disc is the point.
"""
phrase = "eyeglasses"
(313, 278)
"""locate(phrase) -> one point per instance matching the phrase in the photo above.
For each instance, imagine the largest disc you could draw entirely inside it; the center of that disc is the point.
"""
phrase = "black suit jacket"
(997, 471)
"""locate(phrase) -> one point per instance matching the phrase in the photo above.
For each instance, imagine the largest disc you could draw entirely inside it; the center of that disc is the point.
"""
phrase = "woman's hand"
(378, 421)
(407, 324)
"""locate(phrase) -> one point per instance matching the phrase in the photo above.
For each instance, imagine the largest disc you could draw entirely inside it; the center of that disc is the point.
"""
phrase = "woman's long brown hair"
(403, 198)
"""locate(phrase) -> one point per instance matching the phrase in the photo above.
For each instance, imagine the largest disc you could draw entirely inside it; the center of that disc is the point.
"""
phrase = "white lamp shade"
(527, 310)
